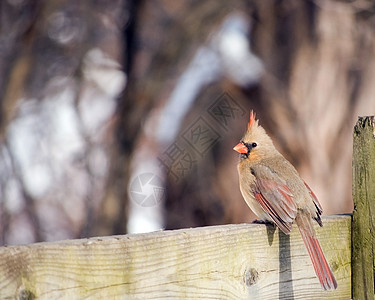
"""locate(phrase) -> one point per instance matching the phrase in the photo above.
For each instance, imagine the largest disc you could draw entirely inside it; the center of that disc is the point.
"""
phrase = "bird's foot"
(266, 222)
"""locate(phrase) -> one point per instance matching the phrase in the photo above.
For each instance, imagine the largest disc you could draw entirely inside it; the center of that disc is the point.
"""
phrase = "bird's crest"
(252, 121)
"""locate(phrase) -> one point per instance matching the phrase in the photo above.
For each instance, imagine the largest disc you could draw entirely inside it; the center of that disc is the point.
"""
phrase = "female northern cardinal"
(275, 192)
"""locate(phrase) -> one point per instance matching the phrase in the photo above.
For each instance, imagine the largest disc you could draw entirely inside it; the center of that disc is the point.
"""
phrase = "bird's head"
(255, 144)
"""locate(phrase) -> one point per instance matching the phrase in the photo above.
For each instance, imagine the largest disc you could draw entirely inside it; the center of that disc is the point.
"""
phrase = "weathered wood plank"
(364, 209)
(221, 262)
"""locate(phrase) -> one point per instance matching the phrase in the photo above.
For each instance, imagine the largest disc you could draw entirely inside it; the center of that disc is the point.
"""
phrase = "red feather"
(277, 200)
(321, 267)
(286, 227)
(251, 120)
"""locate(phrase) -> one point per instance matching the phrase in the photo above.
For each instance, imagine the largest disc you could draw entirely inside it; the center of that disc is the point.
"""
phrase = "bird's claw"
(265, 222)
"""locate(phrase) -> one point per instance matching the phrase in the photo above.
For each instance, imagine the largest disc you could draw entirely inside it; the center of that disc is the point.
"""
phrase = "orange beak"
(241, 148)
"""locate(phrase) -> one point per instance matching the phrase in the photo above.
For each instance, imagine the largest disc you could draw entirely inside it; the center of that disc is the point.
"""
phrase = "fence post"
(363, 225)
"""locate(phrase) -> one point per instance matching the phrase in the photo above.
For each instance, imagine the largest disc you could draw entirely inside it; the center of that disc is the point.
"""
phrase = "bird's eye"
(253, 145)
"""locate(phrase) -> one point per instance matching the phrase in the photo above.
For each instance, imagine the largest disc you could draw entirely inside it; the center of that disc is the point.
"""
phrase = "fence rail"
(243, 261)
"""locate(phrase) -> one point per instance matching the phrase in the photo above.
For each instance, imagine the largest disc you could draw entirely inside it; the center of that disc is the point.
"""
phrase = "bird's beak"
(241, 148)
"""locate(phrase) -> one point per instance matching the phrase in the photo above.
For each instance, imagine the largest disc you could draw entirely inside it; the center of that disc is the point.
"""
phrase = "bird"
(275, 192)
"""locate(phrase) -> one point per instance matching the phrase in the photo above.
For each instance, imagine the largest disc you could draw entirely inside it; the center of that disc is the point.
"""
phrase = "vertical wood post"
(363, 225)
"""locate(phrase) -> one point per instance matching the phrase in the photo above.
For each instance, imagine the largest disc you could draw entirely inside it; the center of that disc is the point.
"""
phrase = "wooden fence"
(245, 261)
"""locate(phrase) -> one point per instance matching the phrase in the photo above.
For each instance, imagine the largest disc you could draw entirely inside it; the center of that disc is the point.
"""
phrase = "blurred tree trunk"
(17, 27)
(114, 206)
(158, 48)
(17, 31)
(44, 71)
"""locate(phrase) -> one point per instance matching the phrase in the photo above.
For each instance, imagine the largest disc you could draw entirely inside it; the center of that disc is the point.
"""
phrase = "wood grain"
(245, 261)
(364, 209)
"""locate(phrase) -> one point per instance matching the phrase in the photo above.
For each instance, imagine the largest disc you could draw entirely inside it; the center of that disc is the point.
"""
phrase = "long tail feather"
(321, 267)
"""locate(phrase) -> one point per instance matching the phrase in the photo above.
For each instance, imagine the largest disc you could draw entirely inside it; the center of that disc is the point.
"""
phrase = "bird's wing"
(275, 197)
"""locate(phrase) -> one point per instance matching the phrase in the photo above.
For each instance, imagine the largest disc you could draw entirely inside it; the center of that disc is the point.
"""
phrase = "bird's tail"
(321, 267)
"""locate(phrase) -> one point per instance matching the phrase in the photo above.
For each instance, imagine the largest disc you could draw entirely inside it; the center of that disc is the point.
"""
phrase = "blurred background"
(120, 116)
